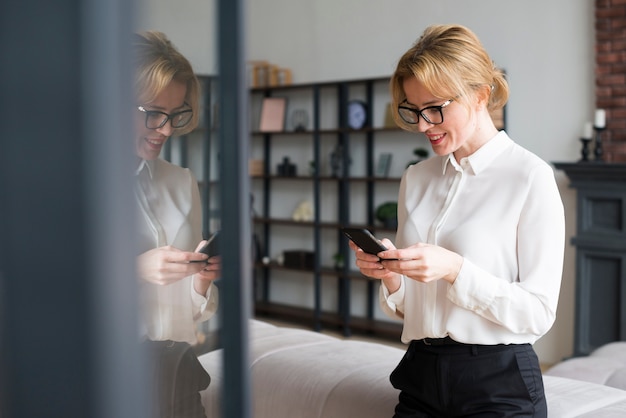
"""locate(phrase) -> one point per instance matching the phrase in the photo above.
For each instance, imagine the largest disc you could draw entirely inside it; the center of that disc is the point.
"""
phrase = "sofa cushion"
(606, 366)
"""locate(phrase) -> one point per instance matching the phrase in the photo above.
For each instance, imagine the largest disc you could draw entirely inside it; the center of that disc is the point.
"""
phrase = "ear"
(482, 96)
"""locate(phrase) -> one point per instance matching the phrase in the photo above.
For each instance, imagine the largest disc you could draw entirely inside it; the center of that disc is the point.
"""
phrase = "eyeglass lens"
(431, 114)
(156, 119)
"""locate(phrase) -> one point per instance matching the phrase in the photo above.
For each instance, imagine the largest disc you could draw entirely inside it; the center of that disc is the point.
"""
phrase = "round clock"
(357, 114)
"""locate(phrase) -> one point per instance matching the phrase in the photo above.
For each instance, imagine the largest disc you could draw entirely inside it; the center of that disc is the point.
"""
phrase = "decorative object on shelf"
(265, 74)
(299, 259)
(259, 73)
(279, 76)
(304, 212)
(586, 139)
(273, 114)
(312, 168)
(300, 120)
(286, 168)
(599, 125)
(383, 165)
(255, 167)
(336, 161)
(338, 261)
(387, 213)
(420, 154)
(356, 114)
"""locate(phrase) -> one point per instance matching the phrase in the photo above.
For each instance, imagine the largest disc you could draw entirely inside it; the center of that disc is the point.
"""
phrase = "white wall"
(546, 48)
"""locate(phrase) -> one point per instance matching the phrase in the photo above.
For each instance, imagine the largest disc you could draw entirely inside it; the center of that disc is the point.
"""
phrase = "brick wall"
(610, 73)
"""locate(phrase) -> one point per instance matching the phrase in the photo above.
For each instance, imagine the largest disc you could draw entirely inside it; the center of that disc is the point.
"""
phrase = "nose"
(423, 125)
(166, 129)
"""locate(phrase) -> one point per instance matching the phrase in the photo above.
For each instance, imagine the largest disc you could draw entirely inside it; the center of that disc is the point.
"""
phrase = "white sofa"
(300, 374)
(605, 365)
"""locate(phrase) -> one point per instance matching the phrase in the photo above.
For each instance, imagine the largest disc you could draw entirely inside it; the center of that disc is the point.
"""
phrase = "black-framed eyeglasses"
(431, 114)
(156, 119)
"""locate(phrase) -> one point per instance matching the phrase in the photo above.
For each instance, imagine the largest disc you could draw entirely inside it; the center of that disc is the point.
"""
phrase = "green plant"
(339, 261)
(420, 153)
(387, 211)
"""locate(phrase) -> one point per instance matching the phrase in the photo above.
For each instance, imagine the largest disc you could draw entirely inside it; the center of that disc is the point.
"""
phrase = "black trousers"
(177, 377)
(464, 380)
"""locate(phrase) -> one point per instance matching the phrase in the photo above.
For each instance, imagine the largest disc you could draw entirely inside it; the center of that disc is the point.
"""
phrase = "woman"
(176, 283)
(479, 246)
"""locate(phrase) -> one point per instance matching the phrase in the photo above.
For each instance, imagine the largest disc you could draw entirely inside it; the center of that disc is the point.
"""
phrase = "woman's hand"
(423, 262)
(212, 270)
(165, 265)
(370, 265)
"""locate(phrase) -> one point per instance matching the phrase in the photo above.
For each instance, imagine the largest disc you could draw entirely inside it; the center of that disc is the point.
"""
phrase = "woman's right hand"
(166, 265)
(369, 265)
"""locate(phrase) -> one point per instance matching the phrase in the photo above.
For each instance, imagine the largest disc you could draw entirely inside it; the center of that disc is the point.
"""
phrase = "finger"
(200, 245)
(387, 243)
(208, 274)
(362, 255)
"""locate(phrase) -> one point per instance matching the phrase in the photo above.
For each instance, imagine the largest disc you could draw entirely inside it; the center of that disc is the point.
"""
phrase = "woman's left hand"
(423, 262)
(212, 270)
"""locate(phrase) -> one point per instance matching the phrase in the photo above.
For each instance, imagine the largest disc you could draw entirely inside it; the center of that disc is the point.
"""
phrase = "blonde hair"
(157, 63)
(451, 62)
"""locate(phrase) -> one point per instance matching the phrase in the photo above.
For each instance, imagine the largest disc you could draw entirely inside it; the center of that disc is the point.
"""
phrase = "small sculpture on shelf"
(304, 212)
(312, 168)
(286, 168)
(300, 120)
(337, 160)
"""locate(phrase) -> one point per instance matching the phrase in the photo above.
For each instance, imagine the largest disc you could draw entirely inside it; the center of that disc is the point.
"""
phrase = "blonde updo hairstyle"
(157, 63)
(450, 61)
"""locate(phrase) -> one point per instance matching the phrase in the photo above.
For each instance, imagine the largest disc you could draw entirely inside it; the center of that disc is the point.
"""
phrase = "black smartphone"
(364, 239)
(211, 247)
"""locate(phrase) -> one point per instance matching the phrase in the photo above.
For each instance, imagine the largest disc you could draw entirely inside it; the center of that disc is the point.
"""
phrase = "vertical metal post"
(317, 279)
(66, 255)
(108, 160)
(235, 210)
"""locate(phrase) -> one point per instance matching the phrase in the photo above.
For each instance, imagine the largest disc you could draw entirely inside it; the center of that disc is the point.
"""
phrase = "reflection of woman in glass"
(480, 242)
(176, 283)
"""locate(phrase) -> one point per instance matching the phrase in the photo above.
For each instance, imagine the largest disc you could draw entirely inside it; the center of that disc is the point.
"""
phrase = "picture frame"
(273, 114)
(383, 165)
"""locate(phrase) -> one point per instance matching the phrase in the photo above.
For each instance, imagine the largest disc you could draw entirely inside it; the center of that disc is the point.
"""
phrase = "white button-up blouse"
(170, 213)
(501, 210)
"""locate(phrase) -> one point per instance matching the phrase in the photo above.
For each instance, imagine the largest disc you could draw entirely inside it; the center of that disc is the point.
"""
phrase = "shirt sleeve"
(205, 306)
(392, 304)
(528, 304)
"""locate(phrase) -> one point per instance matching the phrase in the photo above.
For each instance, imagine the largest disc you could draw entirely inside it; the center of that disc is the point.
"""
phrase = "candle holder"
(584, 152)
(597, 151)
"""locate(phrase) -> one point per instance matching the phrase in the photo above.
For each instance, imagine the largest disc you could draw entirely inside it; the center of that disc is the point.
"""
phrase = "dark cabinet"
(600, 243)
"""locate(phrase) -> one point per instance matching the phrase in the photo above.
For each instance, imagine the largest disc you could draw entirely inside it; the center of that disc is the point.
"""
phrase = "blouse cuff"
(396, 298)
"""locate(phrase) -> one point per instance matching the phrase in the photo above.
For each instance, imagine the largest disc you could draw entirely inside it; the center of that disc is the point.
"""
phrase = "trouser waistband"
(439, 341)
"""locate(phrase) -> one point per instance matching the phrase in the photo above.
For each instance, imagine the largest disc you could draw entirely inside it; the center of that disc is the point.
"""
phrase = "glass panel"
(180, 315)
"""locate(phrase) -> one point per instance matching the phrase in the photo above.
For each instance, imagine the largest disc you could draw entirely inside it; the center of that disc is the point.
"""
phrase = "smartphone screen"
(211, 247)
(364, 239)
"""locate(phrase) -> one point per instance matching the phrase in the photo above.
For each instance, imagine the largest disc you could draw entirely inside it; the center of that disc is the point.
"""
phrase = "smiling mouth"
(435, 138)
(155, 142)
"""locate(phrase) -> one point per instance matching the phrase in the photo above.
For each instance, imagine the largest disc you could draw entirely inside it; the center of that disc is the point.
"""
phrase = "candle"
(600, 120)
(587, 131)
